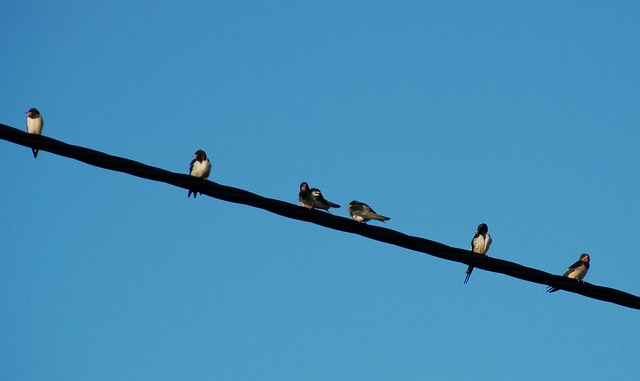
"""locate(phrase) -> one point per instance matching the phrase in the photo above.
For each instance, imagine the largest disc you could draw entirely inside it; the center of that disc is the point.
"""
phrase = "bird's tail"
(380, 217)
(552, 289)
(197, 189)
(469, 271)
(333, 205)
(35, 152)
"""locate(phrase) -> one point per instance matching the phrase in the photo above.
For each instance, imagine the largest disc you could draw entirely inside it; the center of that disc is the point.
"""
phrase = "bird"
(312, 198)
(576, 271)
(200, 167)
(362, 212)
(479, 244)
(34, 125)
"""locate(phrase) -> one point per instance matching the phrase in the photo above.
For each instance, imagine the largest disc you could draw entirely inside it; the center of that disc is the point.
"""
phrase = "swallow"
(576, 271)
(362, 212)
(479, 244)
(312, 198)
(200, 167)
(34, 125)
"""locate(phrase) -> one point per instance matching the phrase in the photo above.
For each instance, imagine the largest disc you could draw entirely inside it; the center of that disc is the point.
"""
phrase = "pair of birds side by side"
(312, 198)
(200, 165)
(482, 240)
(35, 123)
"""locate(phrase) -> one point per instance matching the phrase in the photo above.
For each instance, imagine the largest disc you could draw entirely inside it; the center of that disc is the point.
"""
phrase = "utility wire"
(285, 209)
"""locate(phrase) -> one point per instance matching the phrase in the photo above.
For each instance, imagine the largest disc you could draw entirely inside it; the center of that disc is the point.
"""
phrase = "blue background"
(441, 115)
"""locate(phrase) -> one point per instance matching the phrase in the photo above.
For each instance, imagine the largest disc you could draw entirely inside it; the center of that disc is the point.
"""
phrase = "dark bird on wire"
(362, 212)
(480, 245)
(34, 125)
(312, 198)
(576, 271)
(200, 167)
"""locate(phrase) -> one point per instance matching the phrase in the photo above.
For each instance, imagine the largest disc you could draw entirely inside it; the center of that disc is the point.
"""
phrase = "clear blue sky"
(441, 115)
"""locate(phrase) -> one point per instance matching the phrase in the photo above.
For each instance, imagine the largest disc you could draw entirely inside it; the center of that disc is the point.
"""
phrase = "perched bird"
(362, 212)
(576, 271)
(479, 244)
(200, 167)
(312, 198)
(34, 125)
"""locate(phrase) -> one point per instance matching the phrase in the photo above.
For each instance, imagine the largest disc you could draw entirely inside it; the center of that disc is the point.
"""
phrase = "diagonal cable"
(285, 209)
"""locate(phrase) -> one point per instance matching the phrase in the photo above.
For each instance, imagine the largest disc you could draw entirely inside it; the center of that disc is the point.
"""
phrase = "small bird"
(34, 125)
(576, 271)
(200, 167)
(313, 199)
(479, 244)
(362, 212)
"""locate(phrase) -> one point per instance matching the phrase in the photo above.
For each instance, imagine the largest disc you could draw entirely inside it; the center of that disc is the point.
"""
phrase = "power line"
(285, 209)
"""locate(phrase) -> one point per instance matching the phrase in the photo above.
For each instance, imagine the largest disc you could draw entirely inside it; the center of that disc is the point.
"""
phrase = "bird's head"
(200, 155)
(482, 229)
(33, 112)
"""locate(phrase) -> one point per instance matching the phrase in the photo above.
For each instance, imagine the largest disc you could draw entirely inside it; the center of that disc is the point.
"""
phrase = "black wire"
(327, 220)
